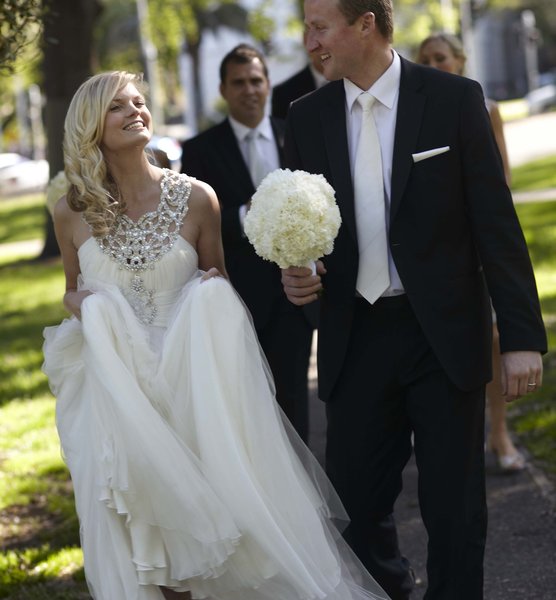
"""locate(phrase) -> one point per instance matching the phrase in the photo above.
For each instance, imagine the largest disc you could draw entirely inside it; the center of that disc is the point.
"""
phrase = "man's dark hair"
(241, 55)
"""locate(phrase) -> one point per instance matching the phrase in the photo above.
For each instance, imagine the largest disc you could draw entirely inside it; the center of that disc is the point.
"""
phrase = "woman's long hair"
(92, 190)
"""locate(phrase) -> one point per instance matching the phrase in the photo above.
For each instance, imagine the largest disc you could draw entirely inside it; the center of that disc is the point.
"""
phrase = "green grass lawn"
(537, 175)
(22, 218)
(533, 418)
(39, 554)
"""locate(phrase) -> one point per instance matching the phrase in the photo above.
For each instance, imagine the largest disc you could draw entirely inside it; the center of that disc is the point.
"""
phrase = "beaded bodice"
(137, 246)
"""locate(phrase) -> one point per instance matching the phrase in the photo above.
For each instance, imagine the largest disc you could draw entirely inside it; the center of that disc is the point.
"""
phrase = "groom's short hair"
(382, 9)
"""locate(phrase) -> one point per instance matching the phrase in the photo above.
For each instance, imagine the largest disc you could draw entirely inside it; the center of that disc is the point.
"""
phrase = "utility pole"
(468, 38)
(150, 53)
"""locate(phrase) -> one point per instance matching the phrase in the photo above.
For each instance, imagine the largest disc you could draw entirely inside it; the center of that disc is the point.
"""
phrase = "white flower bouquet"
(293, 219)
(56, 188)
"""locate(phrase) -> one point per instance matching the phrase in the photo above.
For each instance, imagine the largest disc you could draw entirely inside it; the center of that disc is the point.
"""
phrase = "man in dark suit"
(303, 82)
(233, 157)
(415, 360)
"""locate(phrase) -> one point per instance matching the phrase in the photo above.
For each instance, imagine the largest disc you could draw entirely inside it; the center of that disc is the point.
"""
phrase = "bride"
(189, 483)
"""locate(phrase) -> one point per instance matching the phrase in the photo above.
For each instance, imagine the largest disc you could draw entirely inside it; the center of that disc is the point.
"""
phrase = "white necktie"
(255, 158)
(372, 277)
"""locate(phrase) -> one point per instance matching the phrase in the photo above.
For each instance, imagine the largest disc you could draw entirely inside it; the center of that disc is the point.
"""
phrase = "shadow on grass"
(25, 577)
(40, 556)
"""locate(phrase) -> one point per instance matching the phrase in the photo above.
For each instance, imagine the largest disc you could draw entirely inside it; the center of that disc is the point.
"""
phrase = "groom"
(415, 358)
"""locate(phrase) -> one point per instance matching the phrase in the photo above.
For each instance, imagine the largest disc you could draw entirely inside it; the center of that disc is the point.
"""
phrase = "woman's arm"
(203, 224)
(498, 129)
(66, 222)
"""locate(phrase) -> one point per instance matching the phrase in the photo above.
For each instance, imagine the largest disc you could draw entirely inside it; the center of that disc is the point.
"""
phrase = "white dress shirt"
(386, 91)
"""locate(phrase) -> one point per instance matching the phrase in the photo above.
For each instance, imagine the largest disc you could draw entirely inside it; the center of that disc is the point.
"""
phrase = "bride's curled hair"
(92, 189)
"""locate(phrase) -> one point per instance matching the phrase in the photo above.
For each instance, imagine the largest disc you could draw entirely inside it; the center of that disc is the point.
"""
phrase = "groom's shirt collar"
(385, 89)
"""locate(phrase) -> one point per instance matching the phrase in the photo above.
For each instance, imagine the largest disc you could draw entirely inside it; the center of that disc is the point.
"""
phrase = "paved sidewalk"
(521, 547)
(531, 138)
(535, 196)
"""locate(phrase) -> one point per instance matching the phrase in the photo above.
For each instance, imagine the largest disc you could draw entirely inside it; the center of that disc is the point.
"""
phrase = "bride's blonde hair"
(92, 190)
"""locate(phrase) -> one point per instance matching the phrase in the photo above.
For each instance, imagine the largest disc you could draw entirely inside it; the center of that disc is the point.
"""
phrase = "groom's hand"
(521, 374)
(300, 285)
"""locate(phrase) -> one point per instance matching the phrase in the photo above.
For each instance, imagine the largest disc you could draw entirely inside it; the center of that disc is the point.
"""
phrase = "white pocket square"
(429, 153)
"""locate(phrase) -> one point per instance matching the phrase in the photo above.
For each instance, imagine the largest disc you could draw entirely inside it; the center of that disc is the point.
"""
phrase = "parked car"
(543, 98)
(19, 175)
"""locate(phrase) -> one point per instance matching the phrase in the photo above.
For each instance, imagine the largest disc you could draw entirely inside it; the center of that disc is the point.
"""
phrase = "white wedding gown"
(184, 469)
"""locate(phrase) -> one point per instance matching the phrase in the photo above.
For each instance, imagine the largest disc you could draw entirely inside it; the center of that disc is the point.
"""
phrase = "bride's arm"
(203, 222)
(65, 223)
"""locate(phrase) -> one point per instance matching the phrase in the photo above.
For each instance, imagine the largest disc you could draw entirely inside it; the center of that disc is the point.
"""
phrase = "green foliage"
(414, 20)
(19, 24)
(172, 22)
(261, 24)
(116, 37)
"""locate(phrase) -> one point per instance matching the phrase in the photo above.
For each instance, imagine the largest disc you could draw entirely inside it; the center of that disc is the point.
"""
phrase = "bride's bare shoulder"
(63, 213)
(203, 197)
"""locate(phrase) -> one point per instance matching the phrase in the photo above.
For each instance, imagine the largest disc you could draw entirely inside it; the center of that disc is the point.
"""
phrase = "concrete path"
(531, 138)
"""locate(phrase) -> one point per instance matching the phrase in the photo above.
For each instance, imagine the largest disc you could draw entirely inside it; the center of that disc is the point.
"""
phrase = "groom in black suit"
(222, 157)
(415, 360)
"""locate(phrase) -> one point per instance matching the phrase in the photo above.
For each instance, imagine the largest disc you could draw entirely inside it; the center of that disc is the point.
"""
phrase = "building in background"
(284, 52)
(506, 53)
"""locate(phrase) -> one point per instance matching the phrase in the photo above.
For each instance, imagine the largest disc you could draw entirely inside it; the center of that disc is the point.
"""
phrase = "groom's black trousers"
(390, 386)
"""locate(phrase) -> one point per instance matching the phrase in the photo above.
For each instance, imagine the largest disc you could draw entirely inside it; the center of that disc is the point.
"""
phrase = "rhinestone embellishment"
(137, 246)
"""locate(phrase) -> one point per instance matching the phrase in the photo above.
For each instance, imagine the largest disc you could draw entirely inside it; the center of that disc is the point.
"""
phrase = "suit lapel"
(230, 155)
(411, 105)
(333, 118)
(278, 129)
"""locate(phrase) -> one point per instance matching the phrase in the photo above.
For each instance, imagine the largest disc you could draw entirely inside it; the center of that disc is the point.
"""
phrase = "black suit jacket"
(453, 231)
(214, 156)
(291, 89)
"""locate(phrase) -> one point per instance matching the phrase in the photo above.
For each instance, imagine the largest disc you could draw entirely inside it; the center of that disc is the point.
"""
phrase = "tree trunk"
(67, 46)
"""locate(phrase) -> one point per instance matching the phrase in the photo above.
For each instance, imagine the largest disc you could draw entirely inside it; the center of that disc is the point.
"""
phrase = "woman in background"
(445, 52)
